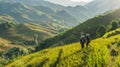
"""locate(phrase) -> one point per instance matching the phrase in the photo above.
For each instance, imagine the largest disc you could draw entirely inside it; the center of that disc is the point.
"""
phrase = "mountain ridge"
(90, 26)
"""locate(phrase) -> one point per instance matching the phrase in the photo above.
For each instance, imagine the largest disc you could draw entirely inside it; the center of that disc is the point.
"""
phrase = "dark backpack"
(82, 40)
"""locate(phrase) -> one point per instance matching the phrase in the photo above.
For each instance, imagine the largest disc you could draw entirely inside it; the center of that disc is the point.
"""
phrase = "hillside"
(102, 52)
(101, 6)
(37, 3)
(9, 51)
(11, 30)
(93, 8)
(36, 14)
(41, 11)
(20, 39)
(91, 26)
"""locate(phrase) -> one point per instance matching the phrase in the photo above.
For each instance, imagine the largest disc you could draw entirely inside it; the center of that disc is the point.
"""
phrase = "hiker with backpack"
(82, 40)
(87, 39)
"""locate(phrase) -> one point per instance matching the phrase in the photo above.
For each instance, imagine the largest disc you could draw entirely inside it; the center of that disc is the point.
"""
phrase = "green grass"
(91, 26)
(97, 55)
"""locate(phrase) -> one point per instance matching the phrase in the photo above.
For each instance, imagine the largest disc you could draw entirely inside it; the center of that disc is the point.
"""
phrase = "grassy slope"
(15, 38)
(90, 26)
(23, 32)
(98, 54)
(5, 45)
(26, 32)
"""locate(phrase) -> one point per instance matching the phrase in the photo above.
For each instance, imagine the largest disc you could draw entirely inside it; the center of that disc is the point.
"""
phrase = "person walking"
(87, 39)
(82, 40)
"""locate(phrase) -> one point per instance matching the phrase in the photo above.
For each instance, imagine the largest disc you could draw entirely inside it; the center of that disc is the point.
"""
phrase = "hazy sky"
(70, 2)
(81, 0)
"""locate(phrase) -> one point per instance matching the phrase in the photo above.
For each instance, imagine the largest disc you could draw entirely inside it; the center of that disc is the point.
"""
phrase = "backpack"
(82, 40)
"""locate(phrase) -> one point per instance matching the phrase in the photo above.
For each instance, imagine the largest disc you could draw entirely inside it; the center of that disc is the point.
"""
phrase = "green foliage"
(96, 55)
(18, 39)
(15, 52)
(101, 31)
(3, 61)
(112, 33)
(113, 25)
(6, 22)
(90, 26)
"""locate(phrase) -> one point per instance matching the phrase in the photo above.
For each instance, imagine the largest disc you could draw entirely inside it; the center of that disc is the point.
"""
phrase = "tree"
(101, 31)
(6, 25)
(113, 25)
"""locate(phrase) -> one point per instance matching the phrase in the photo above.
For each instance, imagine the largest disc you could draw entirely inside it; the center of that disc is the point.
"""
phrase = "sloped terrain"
(20, 39)
(102, 52)
(36, 14)
(81, 13)
(9, 51)
(13, 31)
(91, 26)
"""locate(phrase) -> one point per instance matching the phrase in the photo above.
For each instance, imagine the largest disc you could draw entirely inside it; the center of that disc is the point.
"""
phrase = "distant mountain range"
(53, 16)
(37, 14)
(40, 11)
(29, 24)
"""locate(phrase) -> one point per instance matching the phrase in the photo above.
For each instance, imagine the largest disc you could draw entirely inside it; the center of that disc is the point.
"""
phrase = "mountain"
(22, 13)
(100, 6)
(101, 53)
(93, 8)
(96, 26)
(78, 13)
(36, 3)
(20, 39)
(29, 26)
(18, 33)
(37, 14)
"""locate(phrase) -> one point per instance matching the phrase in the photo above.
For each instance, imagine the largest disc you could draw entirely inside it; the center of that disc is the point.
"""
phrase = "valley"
(39, 33)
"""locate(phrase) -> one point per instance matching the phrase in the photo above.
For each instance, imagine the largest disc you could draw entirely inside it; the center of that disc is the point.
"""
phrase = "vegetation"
(102, 52)
(9, 52)
(18, 40)
(30, 26)
(81, 13)
(91, 26)
(15, 32)
(25, 13)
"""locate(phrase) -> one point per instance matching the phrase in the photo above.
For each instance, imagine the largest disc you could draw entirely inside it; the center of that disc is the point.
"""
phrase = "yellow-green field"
(102, 52)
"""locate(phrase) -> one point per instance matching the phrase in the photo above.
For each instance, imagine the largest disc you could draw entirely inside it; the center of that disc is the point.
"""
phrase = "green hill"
(36, 14)
(13, 31)
(20, 39)
(102, 52)
(103, 5)
(94, 26)
(81, 13)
